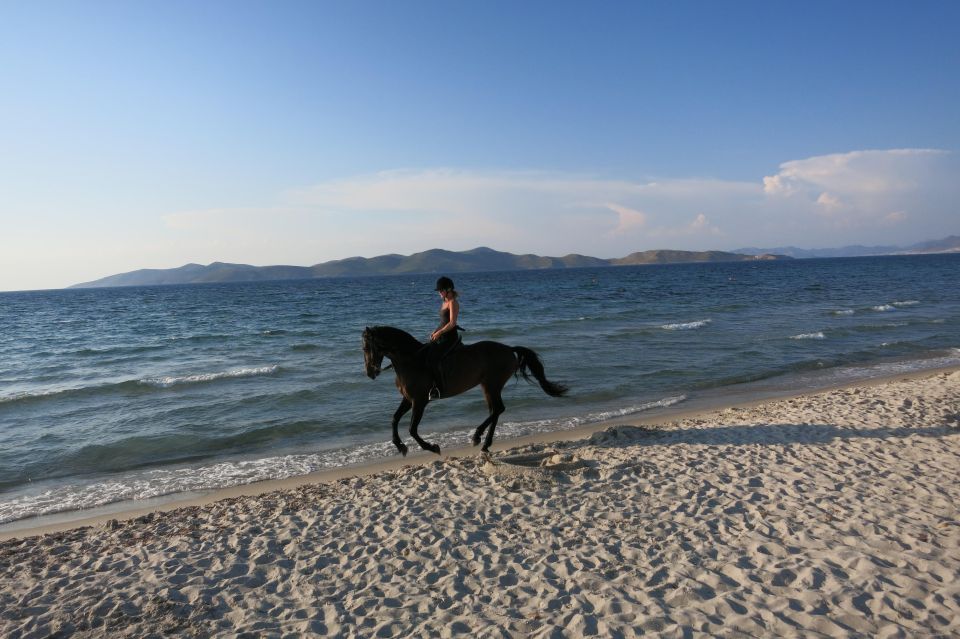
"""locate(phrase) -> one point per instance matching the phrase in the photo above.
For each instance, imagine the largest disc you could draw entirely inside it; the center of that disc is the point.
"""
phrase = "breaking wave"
(685, 326)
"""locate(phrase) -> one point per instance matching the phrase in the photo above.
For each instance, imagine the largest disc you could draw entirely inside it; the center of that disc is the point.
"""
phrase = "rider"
(445, 337)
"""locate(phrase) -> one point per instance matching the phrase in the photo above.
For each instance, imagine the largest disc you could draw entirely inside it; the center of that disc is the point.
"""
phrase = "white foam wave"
(882, 308)
(685, 326)
(166, 481)
(166, 382)
(845, 311)
(817, 335)
(907, 303)
(15, 397)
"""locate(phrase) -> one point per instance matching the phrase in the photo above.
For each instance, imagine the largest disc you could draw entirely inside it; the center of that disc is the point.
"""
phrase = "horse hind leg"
(478, 434)
(496, 407)
(418, 408)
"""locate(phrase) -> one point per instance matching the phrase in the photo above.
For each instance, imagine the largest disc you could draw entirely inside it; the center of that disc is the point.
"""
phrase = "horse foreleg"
(401, 411)
(414, 422)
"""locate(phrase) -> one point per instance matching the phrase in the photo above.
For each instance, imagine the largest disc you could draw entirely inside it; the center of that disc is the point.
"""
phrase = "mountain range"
(432, 261)
(946, 245)
(483, 259)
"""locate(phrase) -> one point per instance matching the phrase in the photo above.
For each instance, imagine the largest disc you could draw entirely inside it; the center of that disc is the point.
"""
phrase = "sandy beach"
(825, 515)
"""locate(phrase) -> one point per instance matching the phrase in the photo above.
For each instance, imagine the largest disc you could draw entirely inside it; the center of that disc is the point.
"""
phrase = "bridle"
(374, 351)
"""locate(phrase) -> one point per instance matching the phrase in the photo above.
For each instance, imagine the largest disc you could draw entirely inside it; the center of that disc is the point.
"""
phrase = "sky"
(152, 134)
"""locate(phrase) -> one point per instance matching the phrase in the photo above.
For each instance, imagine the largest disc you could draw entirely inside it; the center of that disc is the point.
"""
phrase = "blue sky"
(151, 134)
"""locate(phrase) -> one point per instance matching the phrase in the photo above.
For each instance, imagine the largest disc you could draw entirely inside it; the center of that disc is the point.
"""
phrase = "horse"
(487, 364)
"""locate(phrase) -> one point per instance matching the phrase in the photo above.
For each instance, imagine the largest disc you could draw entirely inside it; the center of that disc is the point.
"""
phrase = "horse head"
(372, 354)
(386, 341)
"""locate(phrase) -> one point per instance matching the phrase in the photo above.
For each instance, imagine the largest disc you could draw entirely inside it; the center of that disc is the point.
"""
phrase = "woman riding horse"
(445, 337)
(487, 364)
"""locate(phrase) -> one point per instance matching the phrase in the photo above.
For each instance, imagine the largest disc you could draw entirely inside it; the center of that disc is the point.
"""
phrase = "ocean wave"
(167, 481)
(882, 308)
(158, 482)
(206, 337)
(817, 335)
(846, 311)
(31, 395)
(870, 328)
(851, 372)
(77, 391)
(907, 303)
(132, 349)
(685, 326)
(166, 382)
(133, 386)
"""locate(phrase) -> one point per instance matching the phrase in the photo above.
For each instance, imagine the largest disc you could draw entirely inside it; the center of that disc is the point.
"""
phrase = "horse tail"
(529, 362)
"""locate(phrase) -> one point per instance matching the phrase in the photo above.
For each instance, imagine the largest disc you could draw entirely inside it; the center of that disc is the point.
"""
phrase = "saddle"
(435, 354)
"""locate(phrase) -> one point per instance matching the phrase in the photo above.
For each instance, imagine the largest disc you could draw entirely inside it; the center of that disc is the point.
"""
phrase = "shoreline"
(830, 514)
(127, 510)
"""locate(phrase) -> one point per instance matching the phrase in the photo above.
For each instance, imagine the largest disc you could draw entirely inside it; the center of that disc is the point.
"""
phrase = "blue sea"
(113, 395)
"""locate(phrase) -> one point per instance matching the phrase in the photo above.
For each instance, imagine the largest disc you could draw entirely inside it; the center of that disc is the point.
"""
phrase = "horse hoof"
(435, 449)
(485, 450)
(403, 450)
(476, 441)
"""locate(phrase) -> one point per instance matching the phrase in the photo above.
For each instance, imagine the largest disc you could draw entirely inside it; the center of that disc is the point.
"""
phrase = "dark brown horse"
(489, 364)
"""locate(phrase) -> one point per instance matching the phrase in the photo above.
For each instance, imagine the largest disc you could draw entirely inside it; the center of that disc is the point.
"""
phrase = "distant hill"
(947, 245)
(679, 257)
(432, 261)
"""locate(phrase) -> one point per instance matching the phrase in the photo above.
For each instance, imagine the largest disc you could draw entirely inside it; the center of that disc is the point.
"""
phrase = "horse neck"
(398, 342)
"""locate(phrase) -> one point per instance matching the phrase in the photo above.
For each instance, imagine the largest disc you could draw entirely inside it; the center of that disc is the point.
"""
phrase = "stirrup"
(434, 393)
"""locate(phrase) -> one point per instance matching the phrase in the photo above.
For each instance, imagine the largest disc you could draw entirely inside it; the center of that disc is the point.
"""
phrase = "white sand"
(826, 515)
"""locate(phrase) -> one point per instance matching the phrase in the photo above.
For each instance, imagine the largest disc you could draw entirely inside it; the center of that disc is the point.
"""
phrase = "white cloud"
(530, 211)
(828, 202)
(699, 227)
(819, 201)
(862, 172)
(884, 197)
(778, 185)
(629, 219)
(856, 191)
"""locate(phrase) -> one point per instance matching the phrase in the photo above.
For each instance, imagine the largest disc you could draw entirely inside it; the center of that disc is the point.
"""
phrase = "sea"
(119, 397)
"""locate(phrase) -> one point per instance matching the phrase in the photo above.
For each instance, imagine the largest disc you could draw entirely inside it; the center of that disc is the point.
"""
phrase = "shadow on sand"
(762, 434)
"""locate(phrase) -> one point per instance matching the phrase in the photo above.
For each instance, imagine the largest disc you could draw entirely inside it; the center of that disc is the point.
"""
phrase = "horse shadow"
(756, 434)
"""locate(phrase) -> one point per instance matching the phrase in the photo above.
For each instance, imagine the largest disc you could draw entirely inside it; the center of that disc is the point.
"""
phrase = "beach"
(829, 514)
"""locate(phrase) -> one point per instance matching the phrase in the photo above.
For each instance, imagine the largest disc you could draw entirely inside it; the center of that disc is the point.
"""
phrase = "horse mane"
(395, 337)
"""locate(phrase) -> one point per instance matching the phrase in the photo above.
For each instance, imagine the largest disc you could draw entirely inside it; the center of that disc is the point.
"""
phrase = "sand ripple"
(823, 516)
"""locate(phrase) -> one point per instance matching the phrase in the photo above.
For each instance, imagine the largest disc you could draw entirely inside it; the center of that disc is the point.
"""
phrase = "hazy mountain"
(677, 257)
(947, 245)
(432, 261)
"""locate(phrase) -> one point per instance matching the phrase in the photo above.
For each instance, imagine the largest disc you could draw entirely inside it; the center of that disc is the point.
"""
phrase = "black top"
(444, 319)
